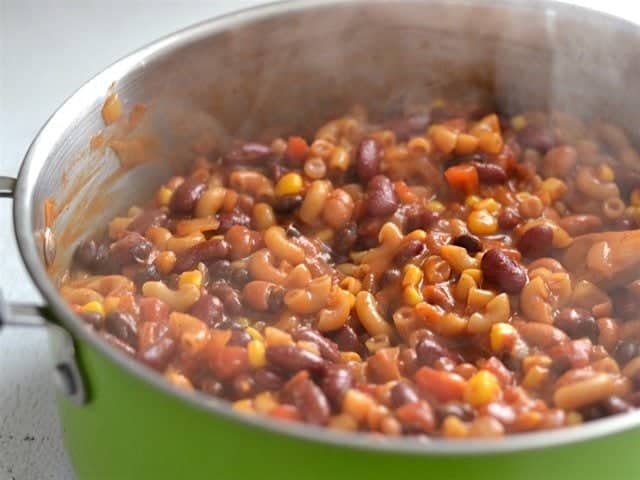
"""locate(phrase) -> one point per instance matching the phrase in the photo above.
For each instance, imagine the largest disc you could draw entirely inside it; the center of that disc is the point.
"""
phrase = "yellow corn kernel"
(531, 361)
(554, 187)
(502, 337)
(265, 402)
(343, 422)
(193, 277)
(481, 222)
(289, 184)
(435, 206)
(93, 307)
(635, 197)
(163, 197)
(412, 276)
(482, 388)
(605, 173)
(256, 354)
(474, 273)
(535, 378)
(111, 303)
(255, 334)
(453, 427)
(350, 357)
(574, 418)
(411, 295)
(518, 122)
(244, 406)
(488, 204)
(471, 200)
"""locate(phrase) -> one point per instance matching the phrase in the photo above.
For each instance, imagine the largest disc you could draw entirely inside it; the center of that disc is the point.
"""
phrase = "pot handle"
(66, 373)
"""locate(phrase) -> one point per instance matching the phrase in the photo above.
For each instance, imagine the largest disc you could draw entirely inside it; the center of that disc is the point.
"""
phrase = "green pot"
(290, 66)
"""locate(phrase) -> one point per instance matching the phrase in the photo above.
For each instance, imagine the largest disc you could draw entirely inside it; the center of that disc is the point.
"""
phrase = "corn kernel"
(531, 361)
(635, 197)
(502, 337)
(253, 333)
(265, 402)
(411, 295)
(535, 378)
(165, 261)
(488, 204)
(350, 357)
(554, 187)
(412, 275)
(453, 427)
(244, 406)
(289, 184)
(256, 354)
(193, 277)
(605, 173)
(471, 200)
(481, 222)
(435, 206)
(518, 122)
(482, 388)
(93, 307)
(474, 273)
(163, 197)
(574, 418)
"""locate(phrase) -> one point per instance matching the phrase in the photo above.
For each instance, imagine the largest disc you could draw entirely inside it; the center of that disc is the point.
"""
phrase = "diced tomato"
(463, 178)
(445, 386)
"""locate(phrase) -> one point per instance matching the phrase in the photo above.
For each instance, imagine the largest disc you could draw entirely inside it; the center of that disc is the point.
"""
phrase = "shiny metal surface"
(290, 65)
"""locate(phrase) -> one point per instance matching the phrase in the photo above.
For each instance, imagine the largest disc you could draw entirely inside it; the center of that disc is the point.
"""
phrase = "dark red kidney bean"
(578, 323)
(220, 270)
(576, 352)
(148, 218)
(186, 195)
(94, 319)
(347, 340)
(614, 405)
(580, 224)
(536, 242)
(335, 384)
(159, 354)
(267, 380)
(454, 409)
(207, 308)
(345, 238)
(229, 219)
(381, 197)
(469, 242)
(293, 359)
(287, 204)
(132, 248)
(390, 276)
(86, 254)
(275, 301)
(239, 338)
(368, 159)
(508, 219)
(422, 218)
(490, 173)
(328, 349)
(500, 269)
(408, 362)
(204, 252)
(625, 351)
(123, 326)
(538, 138)
(311, 403)
(247, 153)
(117, 343)
(428, 351)
(409, 250)
(243, 386)
(403, 393)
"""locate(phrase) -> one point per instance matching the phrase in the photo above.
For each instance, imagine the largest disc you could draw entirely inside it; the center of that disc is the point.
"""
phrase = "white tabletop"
(47, 49)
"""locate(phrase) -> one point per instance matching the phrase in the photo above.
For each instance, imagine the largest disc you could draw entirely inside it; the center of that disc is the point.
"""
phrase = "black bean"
(381, 197)
(345, 237)
(207, 308)
(123, 326)
(453, 409)
(490, 173)
(625, 351)
(500, 269)
(428, 351)
(132, 248)
(240, 277)
(403, 393)
(267, 380)
(239, 338)
(536, 242)
(159, 354)
(85, 254)
(148, 218)
(211, 386)
(409, 250)
(335, 384)
(469, 242)
(204, 252)
(220, 270)
(368, 159)
(347, 340)
(390, 276)
(538, 138)
(614, 405)
(146, 273)
(578, 323)
(508, 219)
(275, 301)
(293, 359)
(229, 219)
(311, 403)
(186, 195)
(593, 412)
(328, 349)
(247, 153)
(228, 324)
(287, 204)
(94, 319)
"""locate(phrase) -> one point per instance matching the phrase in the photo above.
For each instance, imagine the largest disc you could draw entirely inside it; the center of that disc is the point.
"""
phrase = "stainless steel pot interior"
(290, 65)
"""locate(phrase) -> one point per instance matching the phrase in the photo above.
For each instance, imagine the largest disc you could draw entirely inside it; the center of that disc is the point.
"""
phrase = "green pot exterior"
(129, 430)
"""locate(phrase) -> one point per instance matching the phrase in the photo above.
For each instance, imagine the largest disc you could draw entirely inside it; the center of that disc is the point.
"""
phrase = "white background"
(48, 48)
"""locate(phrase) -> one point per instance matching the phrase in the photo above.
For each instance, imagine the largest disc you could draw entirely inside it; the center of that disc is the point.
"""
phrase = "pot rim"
(39, 152)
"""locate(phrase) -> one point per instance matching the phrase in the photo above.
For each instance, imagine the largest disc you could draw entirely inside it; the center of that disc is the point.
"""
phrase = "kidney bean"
(614, 405)
(132, 248)
(408, 362)
(347, 340)
(490, 173)
(243, 386)
(501, 270)
(85, 254)
(239, 277)
(229, 296)
(123, 326)
(311, 402)
(409, 250)
(275, 300)
(574, 354)
(578, 323)
(538, 138)
(148, 218)
(267, 380)
(625, 351)
(469, 242)
(117, 343)
(247, 153)
(239, 338)
(153, 310)
(186, 195)
(94, 319)
(287, 205)
(428, 351)
(403, 393)
(293, 359)
(335, 384)
(508, 219)
(242, 241)
(207, 308)
(345, 237)
(159, 353)
(421, 218)
(203, 252)
(625, 303)
(381, 197)
(368, 159)
(416, 417)
(390, 276)
(211, 386)
(328, 349)
(536, 242)
(580, 224)
(456, 409)
(229, 219)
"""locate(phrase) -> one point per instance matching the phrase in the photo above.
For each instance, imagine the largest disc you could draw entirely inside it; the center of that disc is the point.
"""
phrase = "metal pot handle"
(66, 373)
